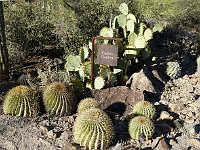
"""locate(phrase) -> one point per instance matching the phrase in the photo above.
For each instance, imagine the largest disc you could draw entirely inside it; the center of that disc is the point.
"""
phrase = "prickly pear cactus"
(144, 108)
(141, 125)
(86, 104)
(21, 101)
(93, 129)
(59, 99)
(173, 70)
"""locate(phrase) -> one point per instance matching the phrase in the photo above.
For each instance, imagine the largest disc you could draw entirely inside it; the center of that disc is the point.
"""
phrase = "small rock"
(190, 114)
(172, 142)
(176, 107)
(165, 115)
(195, 142)
(178, 123)
(51, 134)
(194, 81)
(163, 144)
(44, 129)
(190, 128)
(189, 120)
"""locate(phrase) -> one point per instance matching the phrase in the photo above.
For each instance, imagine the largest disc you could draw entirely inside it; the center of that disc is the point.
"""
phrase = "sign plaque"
(107, 54)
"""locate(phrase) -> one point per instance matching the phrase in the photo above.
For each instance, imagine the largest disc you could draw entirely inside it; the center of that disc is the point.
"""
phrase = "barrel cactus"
(144, 108)
(173, 69)
(86, 104)
(141, 125)
(59, 99)
(21, 101)
(93, 129)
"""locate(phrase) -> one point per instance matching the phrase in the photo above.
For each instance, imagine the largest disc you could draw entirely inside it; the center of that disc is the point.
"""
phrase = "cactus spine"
(59, 99)
(141, 125)
(93, 129)
(21, 101)
(86, 104)
(144, 108)
(173, 70)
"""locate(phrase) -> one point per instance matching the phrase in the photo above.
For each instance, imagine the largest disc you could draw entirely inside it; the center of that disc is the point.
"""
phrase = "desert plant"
(141, 125)
(21, 101)
(86, 104)
(93, 129)
(173, 69)
(144, 108)
(59, 98)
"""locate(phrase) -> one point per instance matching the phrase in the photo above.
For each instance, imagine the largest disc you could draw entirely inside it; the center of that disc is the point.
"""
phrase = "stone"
(118, 99)
(195, 142)
(172, 142)
(51, 134)
(148, 80)
(164, 115)
(190, 128)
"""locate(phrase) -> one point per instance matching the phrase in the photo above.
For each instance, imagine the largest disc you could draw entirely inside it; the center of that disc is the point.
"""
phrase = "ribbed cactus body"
(93, 129)
(173, 70)
(144, 108)
(21, 101)
(59, 99)
(86, 104)
(141, 125)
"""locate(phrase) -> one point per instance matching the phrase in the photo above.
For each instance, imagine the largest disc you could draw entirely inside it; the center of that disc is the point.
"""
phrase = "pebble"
(178, 123)
(190, 128)
(195, 142)
(51, 134)
(172, 142)
(165, 115)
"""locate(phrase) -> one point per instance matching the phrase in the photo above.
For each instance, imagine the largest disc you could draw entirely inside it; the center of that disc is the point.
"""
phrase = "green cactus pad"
(148, 34)
(83, 53)
(104, 70)
(21, 101)
(59, 99)
(86, 104)
(122, 21)
(131, 17)
(73, 63)
(93, 129)
(141, 125)
(158, 28)
(130, 26)
(132, 38)
(123, 8)
(112, 79)
(144, 108)
(140, 42)
(99, 83)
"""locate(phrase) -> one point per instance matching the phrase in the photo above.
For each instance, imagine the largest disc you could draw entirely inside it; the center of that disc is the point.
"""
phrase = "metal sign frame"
(92, 55)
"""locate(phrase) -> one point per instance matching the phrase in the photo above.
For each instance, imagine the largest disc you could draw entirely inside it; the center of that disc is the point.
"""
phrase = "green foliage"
(173, 69)
(93, 129)
(144, 108)
(32, 25)
(59, 99)
(141, 125)
(21, 101)
(86, 104)
(99, 82)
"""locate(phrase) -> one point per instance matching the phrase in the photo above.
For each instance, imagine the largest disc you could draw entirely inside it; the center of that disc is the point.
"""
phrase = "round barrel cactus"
(173, 69)
(21, 101)
(141, 125)
(93, 129)
(59, 99)
(86, 104)
(144, 108)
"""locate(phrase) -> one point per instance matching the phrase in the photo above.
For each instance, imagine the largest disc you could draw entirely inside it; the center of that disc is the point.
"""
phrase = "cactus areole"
(107, 54)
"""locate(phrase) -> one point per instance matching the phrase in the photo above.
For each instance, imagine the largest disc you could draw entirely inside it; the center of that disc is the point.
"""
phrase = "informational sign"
(107, 54)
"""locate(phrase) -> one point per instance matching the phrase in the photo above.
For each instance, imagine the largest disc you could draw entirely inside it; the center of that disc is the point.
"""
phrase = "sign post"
(107, 54)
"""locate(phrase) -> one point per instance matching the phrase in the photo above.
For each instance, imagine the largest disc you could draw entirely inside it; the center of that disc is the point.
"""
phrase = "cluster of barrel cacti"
(142, 123)
(58, 99)
(92, 128)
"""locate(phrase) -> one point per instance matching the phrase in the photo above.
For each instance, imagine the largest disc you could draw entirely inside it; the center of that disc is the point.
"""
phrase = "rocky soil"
(177, 124)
